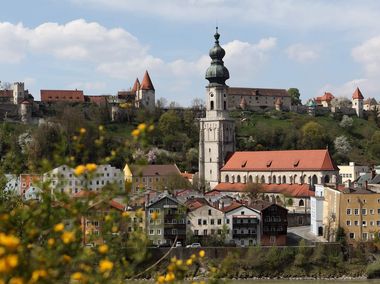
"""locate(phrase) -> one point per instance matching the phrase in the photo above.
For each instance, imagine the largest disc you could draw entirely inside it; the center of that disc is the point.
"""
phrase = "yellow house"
(148, 177)
(356, 211)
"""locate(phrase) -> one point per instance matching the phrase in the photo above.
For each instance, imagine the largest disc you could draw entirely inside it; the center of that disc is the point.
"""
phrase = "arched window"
(269, 179)
(274, 179)
(291, 180)
(224, 105)
(278, 200)
(250, 179)
(283, 179)
(212, 105)
(244, 179)
(262, 179)
(301, 203)
(327, 179)
(295, 179)
(227, 179)
(314, 180)
(238, 178)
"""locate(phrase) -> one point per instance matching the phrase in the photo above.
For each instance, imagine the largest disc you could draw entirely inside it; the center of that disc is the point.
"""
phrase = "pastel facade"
(350, 172)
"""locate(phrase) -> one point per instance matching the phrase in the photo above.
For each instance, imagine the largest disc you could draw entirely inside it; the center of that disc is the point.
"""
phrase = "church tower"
(217, 129)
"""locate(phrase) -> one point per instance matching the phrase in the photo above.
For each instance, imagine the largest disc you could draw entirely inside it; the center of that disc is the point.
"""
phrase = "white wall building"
(316, 208)
(351, 171)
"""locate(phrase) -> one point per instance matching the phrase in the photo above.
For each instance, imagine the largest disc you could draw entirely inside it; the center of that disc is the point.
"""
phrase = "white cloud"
(368, 54)
(302, 53)
(294, 14)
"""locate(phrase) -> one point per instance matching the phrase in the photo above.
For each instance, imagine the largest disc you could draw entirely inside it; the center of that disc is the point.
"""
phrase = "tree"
(198, 104)
(313, 135)
(374, 146)
(253, 190)
(173, 182)
(341, 102)
(342, 145)
(346, 122)
(161, 103)
(169, 123)
(295, 96)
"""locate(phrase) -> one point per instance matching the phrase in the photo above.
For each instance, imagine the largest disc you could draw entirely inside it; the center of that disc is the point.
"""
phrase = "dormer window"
(296, 162)
(269, 163)
(243, 164)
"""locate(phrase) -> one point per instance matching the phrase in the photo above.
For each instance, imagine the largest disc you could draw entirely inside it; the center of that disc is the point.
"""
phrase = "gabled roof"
(196, 203)
(155, 170)
(234, 205)
(357, 95)
(293, 190)
(285, 160)
(370, 101)
(258, 92)
(136, 85)
(326, 97)
(99, 100)
(62, 95)
(146, 83)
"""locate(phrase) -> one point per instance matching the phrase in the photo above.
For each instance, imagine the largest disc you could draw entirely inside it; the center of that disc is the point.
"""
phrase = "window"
(242, 212)
(151, 232)
(219, 231)
(219, 221)
(348, 222)
(212, 222)
(212, 105)
(204, 222)
(371, 211)
(228, 221)
(199, 221)
(348, 211)
(356, 223)
(364, 211)
(365, 236)
(174, 231)
(378, 223)
(209, 212)
(158, 232)
(196, 232)
(378, 211)
(372, 223)
(352, 235)
(356, 211)
(212, 232)
(364, 223)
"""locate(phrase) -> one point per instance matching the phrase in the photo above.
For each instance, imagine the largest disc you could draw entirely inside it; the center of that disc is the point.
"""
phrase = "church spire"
(217, 73)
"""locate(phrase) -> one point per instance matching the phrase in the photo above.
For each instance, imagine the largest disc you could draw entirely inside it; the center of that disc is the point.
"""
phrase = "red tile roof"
(99, 100)
(62, 96)
(326, 97)
(293, 190)
(286, 160)
(146, 83)
(6, 93)
(234, 205)
(357, 95)
(136, 85)
(196, 203)
(187, 175)
(117, 205)
(258, 92)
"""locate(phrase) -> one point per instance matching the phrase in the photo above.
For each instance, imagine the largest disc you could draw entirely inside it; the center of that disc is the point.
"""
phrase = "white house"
(316, 218)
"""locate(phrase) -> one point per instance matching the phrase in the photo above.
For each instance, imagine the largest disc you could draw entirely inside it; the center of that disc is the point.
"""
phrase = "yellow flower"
(79, 170)
(16, 280)
(82, 130)
(51, 242)
(75, 138)
(66, 258)
(9, 241)
(113, 153)
(179, 262)
(114, 229)
(193, 256)
(2, 251)
(125, 214)
(59, 227)
(173, 259)
(76, 276)
(91, 167)
(213, 269)
(101, 127)
(189, 262)
(161, 279)
(72, 158)
(8, 263)
(68, 237)
(136, 133)
(151, 128)
(105, 265)
(141, 127)
(103, 249)
(108, 218)
(169, 277)
(202, 282)
(202, 253)
(37, 274)
(154, 216)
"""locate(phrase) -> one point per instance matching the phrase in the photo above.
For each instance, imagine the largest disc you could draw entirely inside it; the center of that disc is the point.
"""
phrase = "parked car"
(178, 244)
(194, 245)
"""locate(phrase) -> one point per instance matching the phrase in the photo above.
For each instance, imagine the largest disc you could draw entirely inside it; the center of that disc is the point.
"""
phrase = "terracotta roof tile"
(357, 95)
(136, 86)
(232, 206)
(285, 160)
(6, 93)
(62, 96)
(99, 100)
(326, 97)
(196, 203)
(117, 205)
(146, 83)
(293, 190)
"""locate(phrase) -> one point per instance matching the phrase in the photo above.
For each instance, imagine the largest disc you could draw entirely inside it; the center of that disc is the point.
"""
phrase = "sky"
(102, 46)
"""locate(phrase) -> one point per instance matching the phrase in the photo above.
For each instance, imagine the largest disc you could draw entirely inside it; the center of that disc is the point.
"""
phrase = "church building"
(218, 161)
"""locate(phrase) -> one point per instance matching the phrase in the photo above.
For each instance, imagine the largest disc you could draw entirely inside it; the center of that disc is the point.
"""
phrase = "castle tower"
(145, 93)
(278, 104)
(217, 129)
(357, 102)
(26, 111)
(311, 106)
(18, 92)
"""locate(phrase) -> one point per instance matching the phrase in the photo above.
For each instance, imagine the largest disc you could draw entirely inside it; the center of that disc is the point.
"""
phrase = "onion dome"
(217, 73)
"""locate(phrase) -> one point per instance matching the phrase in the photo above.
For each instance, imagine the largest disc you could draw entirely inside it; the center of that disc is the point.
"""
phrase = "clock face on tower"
(211, 94)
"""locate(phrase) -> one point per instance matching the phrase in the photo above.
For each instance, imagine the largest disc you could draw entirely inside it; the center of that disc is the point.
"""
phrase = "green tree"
(295, 96)
(374, 146)
(169, 123)
(313, 135)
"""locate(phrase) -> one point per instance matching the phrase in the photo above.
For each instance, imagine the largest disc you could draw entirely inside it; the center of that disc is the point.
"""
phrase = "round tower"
(26, 111)
(115, 112)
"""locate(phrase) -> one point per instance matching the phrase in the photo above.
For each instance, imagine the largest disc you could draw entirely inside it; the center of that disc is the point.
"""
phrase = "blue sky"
(101, 46)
